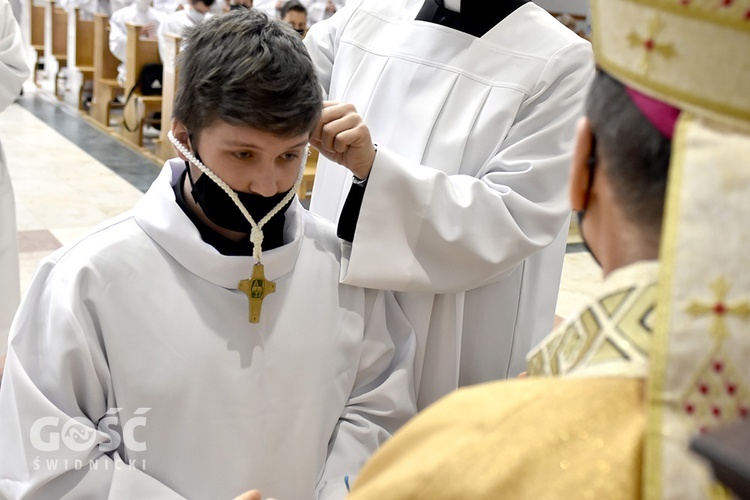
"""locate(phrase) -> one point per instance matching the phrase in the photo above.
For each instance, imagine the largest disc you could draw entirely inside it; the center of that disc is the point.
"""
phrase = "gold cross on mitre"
(719, 309)
(256, 288)
(649, 45)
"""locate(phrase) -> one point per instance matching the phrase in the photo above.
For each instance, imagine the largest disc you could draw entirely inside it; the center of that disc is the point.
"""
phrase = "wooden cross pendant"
(256, 289)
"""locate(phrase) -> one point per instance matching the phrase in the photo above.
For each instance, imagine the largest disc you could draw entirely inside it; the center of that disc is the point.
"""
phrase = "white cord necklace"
(257, 287)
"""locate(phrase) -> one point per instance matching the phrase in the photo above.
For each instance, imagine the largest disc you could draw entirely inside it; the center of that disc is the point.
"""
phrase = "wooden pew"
(84, 51)
(59, 35)
(37, 34)
(165, 150)
(575, 22)
(305, 188)
(139, 53)
(105, 72)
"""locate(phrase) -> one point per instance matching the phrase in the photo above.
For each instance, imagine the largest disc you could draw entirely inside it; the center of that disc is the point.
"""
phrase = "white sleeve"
(382, 398)
(54, 398)
(422, 230)
(118, 36)
(13, 67)
(315, 10)
(322, 39)
(164, 27)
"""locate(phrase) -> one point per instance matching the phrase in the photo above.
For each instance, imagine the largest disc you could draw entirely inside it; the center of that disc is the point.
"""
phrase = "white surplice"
(466, 205)
(13, 72)
(140, 326)
(175, 23)
(118, 32)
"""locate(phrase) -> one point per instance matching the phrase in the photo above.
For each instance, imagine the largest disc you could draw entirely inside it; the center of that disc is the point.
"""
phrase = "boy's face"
(297, 19)
(201, 7)
(250, 160)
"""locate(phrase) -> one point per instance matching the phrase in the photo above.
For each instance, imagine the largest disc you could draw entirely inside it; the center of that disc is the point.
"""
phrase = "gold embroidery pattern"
(616, 328)
(715, 394)
(650, 44)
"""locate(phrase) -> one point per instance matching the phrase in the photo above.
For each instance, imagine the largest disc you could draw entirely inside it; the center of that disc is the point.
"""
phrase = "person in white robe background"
(193, 13)
(13, 72)
(473, 107)
(294, 13)
(267, 6)
(139, 12)
(318, 10)
(137, 367)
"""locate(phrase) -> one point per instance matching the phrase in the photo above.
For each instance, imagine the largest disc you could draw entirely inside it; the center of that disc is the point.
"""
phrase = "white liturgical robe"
(133, 371)
(466, 205)
(13, 72)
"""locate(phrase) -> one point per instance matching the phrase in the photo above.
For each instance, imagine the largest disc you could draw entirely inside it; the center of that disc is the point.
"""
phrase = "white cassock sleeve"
(421, 230)
(382, 398)
(13, 67)
(118, 36)
(55, 391)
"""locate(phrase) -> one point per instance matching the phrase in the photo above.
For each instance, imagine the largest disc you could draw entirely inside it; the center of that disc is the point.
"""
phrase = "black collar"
(476, 17)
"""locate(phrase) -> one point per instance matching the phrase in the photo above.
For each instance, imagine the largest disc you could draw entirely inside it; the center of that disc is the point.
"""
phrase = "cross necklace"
(257, 287)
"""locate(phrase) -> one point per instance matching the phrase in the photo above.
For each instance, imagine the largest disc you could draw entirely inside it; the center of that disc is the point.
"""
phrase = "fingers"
(340, 126)
(250, 495)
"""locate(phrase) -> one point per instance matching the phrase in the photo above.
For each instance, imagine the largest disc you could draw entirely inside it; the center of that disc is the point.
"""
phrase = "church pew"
(165, 150)
(305, 188)
(59, 41)
(84, 50)
(139, 53)
(37, 34)
(105, 72)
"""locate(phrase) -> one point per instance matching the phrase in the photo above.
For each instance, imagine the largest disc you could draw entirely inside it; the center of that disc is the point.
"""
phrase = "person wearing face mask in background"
(139, 12)
(295, 14)
(193, 13)
(239, 5)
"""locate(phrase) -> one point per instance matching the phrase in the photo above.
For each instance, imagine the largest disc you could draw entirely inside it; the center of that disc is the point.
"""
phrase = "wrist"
(361, 175)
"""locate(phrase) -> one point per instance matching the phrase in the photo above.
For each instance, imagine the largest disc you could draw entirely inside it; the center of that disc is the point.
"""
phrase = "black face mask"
(221, 210)
(238, 6)
(591, 163)
(301, 32)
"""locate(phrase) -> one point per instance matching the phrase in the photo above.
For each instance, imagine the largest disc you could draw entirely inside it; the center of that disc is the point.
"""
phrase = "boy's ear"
(579, 169)
(181, 134)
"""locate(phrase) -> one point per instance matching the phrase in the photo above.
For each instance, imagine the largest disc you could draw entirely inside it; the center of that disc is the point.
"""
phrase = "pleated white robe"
(140, 326)
(466, 208)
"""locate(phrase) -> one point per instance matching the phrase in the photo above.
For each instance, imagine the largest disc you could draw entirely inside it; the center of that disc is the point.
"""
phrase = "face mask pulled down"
(236, 211)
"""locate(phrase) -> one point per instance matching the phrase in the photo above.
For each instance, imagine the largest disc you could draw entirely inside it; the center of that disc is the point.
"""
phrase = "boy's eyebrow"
(241, 143)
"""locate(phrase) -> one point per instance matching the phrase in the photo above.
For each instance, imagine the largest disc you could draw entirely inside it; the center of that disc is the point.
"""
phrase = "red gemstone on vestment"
(690, 408)
(716, 411)
(719, 308)
(649, 44)
(731, 389)
(718, 366)
(743, 412)
(703, 388)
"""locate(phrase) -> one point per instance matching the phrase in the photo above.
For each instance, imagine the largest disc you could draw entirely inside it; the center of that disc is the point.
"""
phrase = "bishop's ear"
(180, 132)
(579, 169)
